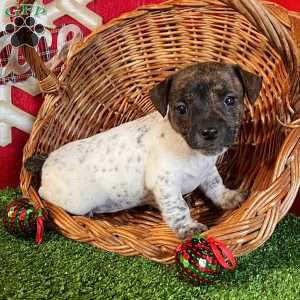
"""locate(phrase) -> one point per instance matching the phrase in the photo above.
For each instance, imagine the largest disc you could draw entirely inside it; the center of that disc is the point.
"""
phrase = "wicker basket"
(105, 82)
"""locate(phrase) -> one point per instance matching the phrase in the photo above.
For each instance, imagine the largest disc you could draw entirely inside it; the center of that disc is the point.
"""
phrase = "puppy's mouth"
(208, 149)
(212, 147)
(212, 151)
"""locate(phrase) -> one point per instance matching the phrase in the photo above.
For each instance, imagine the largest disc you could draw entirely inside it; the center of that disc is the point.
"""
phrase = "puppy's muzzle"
(208, 137)
(209, 134)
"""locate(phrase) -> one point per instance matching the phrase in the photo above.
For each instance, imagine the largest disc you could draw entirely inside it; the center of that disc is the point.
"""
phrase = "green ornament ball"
(201, 260)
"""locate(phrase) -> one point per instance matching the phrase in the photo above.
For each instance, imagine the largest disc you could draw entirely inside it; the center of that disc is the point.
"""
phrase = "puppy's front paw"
(232, 199)
(189, 229)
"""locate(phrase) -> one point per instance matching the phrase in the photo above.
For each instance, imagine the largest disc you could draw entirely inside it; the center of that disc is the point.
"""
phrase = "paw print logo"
(24, 31)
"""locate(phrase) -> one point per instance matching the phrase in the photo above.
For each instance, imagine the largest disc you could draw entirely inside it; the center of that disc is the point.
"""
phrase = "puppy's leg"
(221, 196)
(176, 212)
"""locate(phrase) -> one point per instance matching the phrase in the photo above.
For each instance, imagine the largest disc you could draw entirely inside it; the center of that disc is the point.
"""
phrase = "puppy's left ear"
(159, 95)
(252, 83)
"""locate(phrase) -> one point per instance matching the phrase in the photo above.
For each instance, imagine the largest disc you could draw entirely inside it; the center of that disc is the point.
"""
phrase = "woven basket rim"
(168, 4)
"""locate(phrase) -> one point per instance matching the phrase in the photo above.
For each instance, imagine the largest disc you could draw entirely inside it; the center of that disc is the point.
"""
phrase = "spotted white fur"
(123, 167)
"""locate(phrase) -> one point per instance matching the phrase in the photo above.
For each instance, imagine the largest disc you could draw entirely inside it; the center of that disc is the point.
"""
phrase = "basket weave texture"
(105, 82)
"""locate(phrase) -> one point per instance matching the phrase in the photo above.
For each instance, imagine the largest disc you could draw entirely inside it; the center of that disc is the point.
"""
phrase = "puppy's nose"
(209, 133)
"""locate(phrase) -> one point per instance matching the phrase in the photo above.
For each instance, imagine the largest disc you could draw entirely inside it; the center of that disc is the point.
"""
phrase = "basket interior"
(110, 78)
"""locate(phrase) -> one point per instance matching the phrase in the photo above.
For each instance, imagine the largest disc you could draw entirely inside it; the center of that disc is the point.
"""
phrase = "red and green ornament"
(201, 260)
(21, 219)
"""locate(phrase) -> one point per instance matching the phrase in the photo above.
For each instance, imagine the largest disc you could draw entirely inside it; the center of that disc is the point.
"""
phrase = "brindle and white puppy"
(164, 155)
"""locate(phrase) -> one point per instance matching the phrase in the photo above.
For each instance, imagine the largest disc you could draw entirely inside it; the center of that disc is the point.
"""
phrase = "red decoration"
(21, 219)
(289, 4)
(201, 260)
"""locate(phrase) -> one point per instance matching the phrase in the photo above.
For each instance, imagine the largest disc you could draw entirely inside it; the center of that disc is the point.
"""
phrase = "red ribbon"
(39, 229)
(21, 219)
(13, 218)
(223, 254)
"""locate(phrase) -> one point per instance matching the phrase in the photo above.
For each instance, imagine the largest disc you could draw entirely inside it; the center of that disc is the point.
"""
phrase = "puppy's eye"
(182, 109)
(229, 101)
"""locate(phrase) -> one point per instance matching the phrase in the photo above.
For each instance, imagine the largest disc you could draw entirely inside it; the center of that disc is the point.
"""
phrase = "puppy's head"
(205, 103)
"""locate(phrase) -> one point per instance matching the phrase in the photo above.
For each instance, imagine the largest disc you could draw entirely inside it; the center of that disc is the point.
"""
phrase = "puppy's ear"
(252, 83)
(159, 95)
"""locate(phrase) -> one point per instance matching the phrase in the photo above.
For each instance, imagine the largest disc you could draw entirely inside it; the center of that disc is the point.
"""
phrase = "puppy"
(161, 156)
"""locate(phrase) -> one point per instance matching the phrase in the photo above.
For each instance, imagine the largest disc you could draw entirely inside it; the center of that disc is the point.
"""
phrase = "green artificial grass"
(64, 269)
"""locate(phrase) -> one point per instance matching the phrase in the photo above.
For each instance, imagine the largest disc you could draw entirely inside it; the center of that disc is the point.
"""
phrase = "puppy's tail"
(34, 164)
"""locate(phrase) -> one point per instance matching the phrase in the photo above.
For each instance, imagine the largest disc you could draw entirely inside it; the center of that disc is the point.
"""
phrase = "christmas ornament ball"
(201, 260)
(21, 219)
